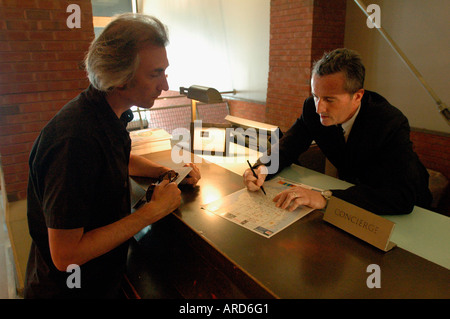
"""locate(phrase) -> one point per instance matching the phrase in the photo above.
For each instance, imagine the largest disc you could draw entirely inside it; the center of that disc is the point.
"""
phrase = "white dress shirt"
(347, 126)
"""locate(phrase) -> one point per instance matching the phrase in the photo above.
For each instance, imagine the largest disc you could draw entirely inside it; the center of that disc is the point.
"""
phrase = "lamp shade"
(202, 93)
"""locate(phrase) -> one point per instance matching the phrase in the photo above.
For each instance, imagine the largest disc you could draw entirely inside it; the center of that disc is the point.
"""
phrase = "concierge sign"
(361, 223)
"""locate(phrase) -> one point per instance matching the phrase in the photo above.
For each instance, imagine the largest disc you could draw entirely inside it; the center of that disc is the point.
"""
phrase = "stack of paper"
(149, 141)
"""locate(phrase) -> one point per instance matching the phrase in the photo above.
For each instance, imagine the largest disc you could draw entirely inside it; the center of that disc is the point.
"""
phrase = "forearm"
(141, 166)
(80, 247)
(75, 246)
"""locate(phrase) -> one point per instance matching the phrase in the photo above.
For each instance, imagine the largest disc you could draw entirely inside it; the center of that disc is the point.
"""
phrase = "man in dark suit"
(361, 134)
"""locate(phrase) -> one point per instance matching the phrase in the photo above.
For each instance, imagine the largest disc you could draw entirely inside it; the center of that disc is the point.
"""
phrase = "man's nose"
(320, 106)
(164, 85)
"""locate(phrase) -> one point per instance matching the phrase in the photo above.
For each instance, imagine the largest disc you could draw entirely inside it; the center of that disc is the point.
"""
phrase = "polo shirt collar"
(103, 110)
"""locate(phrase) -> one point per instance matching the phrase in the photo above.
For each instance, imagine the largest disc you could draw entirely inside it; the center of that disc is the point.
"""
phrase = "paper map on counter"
(257, 212)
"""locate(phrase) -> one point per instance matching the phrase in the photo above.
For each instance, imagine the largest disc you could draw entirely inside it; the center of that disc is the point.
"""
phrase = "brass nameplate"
(361, 223)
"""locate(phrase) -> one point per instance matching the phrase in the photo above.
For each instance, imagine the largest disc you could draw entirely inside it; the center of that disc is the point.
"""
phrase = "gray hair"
(342, 60)
(112, 59)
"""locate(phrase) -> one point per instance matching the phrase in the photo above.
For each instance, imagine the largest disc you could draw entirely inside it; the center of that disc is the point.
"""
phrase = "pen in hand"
(254, 174)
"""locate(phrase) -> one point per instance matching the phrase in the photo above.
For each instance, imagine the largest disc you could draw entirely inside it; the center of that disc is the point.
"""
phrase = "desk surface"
(422, 232)
(309, 259)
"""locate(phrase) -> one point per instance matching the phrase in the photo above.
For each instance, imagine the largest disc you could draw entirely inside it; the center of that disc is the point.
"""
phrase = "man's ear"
(357, 97)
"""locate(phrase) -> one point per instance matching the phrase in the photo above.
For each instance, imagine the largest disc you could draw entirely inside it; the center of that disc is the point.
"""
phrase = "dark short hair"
(113, 58)
(342, 60)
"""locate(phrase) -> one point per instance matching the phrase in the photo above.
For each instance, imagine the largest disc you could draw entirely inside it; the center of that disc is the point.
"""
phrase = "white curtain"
(197, 50)
(217, 43)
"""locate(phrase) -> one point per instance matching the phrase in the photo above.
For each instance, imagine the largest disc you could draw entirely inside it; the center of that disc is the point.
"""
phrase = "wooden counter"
(194, 254)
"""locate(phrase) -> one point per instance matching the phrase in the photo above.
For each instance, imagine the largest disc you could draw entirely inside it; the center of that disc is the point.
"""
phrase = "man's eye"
(158, 74)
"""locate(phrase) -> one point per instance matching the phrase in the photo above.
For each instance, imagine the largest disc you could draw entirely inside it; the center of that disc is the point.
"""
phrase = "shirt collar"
(115, 127)
(104, 110)
(347, 126)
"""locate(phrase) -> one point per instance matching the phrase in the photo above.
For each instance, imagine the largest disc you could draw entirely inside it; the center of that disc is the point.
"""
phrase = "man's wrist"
(326, 194)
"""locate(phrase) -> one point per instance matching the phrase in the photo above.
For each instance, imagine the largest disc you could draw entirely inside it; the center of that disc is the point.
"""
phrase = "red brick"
(14, 35)
(41, 106)
(9, 110)
(11, 178)
(51, 25)
(33, 126)
(21, 25)
(71, 55)
(8, 130)
(19, 118)
(17, 187)
(71, 35)
(23, 138)
(19, 3)
(51, 4)
(12, 13)
(26, 46)
(29, 67)
(61, 65)
(37, 14)
(14, 56)
(60, 76)
(41, 35)
(13, 149)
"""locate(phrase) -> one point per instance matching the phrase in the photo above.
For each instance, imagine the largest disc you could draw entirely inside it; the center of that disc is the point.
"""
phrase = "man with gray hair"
(361, 134)
(78, 191)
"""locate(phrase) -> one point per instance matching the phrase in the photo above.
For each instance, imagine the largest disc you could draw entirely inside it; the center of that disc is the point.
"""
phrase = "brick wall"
(248, 110)
(433, 150)
(300, 31)
(291, 31)
(328, 27)
(40, 71)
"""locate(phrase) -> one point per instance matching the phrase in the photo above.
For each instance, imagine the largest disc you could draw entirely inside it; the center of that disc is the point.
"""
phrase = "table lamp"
(200, 93)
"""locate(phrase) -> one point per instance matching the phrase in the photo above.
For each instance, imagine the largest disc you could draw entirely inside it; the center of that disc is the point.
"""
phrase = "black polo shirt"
(78, 178)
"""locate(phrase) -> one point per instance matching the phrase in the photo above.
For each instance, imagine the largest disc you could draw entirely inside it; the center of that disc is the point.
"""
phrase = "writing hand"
(254, 183)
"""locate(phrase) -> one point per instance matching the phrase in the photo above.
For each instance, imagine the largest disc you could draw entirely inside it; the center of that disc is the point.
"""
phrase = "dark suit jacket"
(377, 157)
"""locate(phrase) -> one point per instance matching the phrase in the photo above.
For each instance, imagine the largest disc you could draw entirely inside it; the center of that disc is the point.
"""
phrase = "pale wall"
(421, 29)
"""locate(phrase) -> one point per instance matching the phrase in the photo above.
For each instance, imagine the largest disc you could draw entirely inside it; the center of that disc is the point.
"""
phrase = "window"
(104, 10)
